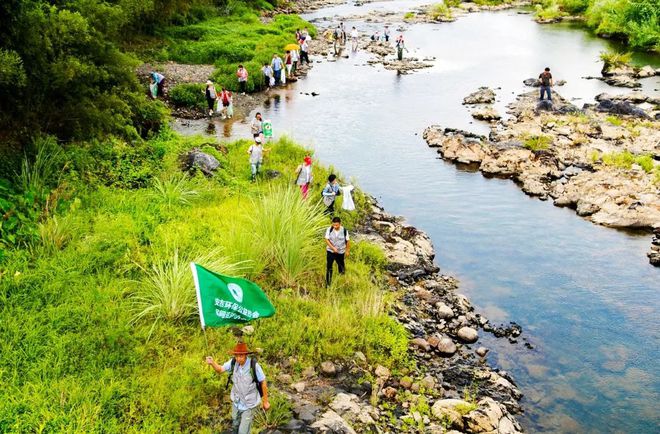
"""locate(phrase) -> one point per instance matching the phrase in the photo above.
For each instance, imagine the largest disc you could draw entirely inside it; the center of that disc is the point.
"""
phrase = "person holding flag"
(222, 301)
(249, 388)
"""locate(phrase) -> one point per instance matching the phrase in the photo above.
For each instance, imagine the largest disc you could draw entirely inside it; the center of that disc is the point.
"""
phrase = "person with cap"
(330, 193)
(249, 388)
(304, 176)
(338, 246)
(256, 153)
(211, 96)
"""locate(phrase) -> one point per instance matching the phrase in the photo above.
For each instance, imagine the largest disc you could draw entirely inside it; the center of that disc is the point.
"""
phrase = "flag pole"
(199, 303)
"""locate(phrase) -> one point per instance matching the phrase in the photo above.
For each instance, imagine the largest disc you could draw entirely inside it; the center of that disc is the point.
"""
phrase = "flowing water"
(585, 295)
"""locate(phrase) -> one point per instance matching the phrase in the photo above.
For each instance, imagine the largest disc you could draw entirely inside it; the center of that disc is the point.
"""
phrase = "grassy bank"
(636, 22)
(98, 328)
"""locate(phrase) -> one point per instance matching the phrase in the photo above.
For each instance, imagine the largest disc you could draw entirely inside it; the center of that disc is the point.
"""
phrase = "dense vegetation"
(635, 21)
(98, 328)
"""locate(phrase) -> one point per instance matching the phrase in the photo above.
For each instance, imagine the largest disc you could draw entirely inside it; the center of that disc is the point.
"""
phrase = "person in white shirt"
(354, 39)
(338, 246)
(256, 153)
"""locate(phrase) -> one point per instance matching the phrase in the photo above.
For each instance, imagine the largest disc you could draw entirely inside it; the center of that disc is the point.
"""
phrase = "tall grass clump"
(286, 226)
(537, 143)
(612, 59)
(38, 174)
(167, 292)
(173, 190)
(625, 160)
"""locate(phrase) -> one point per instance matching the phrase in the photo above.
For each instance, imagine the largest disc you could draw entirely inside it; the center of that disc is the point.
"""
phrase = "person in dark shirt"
(545, 78)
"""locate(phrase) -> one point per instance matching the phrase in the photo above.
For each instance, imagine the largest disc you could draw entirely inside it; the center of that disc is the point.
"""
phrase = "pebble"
(328, 369)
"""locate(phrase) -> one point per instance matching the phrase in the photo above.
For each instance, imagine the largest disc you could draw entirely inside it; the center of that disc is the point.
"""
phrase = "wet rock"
(421, 344)
(389, 392)
(307, 412)
(197, 159)
(487, 113)
(482, 351)
(272, 174)
(467, 334)
(646, 71)
(328, 369)
(382, 372)
(443, 311)
(446, 347)
(331, 423)
(622, 81)
(294, 425)
(484, 95)
(545, 105)
(621, 108)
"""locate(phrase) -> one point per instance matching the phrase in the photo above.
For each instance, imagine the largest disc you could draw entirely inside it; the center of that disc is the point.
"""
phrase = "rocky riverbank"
(450, 389)
(603, 160)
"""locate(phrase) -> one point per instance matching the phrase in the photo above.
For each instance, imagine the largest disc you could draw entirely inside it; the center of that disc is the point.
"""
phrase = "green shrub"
(537, 143)
(409, 15)
(614, 120)
(622, 160)
(453, 3)
(574, 7)
(173, 190)
(612, 59)
(439, 11)
(645, 162)
(188, 95)
(550, 12)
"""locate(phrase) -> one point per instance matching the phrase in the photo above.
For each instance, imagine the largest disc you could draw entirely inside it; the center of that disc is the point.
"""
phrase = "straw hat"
(240, 348)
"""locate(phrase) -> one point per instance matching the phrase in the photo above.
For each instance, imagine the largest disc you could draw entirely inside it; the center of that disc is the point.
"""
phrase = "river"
(585, 295)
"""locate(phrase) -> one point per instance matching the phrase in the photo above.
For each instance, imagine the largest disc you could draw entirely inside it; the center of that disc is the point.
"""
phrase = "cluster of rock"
(451, 390)
(555, 150)
(625, 75)
(654, 254)
(482, 101)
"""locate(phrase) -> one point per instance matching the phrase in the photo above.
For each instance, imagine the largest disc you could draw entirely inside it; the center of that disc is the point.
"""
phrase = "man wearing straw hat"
(249, 387)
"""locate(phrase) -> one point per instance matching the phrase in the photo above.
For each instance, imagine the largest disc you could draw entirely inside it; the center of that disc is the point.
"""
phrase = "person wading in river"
(338, 245)
(546, 83)
(249, 388)
(211, 96)
(400, 46)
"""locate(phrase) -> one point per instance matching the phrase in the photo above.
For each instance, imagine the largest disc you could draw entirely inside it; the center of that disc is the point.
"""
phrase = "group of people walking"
(339, 39)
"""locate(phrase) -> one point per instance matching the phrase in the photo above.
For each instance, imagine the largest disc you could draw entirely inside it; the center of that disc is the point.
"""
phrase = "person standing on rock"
(277, 65)
(249, 387)
(330, 193)
(343, 33)
(386, 34)
(338, 245)
(242, 75)
(256, 127)
(211, 96)
(304, 51)
(354, 39)
(295, 58)
(304, 176)
(545, 78)
(400, 46)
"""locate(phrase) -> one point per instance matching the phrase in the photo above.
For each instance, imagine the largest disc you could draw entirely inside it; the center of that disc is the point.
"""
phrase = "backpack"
(338, 193)
(225, 97)
(253, 370)
(345, 232)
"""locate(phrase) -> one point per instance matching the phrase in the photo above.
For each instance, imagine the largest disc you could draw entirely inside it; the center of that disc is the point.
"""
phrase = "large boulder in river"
(197, 159)
(484, 95)
(487, 113)
(621, 108)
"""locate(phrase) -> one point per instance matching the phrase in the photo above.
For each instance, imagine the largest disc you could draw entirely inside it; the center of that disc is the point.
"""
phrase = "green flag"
(225, 300)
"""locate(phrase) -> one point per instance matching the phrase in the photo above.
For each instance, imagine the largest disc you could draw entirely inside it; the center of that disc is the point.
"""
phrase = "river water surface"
(585, 295)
